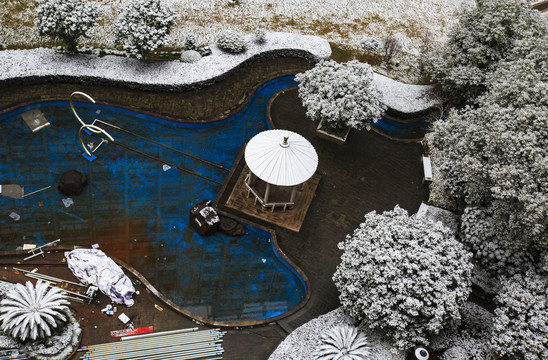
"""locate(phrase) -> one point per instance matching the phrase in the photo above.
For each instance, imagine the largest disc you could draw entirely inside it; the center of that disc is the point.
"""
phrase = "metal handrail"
(95, 129)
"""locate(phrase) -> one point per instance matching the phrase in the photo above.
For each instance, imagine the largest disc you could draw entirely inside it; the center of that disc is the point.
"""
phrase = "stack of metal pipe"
(184, 344)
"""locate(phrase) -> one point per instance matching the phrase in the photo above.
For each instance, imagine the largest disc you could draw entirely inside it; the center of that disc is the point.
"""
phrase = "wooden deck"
(291, 219)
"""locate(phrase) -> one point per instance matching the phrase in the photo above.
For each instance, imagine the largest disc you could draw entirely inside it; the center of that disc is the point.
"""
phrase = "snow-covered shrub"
(302, 342)
(520, 327)
(190, 56)
(204, 51)
(260, 36)
(495, 256)
(56, 347)
(484, 35)
(469, 338)
(343, 342)
(370, 44)
(469, 348)
(455, 353)
(404, 276)
(232, 42)
(143, 26)
(191, 43)
(341, 95)
(66, 20)
(31, 312)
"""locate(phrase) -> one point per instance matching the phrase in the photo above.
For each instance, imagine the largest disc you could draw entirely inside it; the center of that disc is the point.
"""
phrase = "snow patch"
(47, 62)
(402, 97)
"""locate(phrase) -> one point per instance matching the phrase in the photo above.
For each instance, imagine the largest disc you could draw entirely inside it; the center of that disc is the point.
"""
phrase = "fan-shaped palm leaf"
(30, 312)
(344, 342)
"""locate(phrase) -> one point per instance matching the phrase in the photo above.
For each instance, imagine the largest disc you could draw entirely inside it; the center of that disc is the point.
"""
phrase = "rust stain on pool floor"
(137, 209)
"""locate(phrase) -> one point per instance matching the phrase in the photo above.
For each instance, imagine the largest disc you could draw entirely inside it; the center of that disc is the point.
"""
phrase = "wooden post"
(293, 193)
(266, 192)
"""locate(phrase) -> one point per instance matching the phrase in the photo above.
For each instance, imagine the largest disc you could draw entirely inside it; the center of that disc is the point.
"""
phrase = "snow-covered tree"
(341, 95)
(143, 26)
(484, 35)
(344, 342)
(66, 20)
(391, 47)
(520, 327)
(494, 255)
(496, 155)
(31, 312)
(497, 257)
(405, 276)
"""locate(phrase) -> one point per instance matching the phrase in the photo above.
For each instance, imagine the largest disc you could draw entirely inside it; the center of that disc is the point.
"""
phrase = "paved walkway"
(369, 172)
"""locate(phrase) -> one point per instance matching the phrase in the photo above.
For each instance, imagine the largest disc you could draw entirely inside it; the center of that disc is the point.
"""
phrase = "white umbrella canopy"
(281, 157)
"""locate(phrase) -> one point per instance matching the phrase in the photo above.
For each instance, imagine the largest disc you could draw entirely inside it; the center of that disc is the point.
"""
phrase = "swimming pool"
(137, 202)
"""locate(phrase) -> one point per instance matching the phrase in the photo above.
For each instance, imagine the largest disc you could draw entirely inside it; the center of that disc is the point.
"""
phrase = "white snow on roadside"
(49, 63)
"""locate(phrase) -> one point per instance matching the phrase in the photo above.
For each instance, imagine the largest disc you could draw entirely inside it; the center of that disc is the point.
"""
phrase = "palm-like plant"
(344, 342)
(31, 312)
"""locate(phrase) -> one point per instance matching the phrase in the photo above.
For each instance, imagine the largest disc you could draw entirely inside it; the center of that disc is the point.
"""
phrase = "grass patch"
(339, 54)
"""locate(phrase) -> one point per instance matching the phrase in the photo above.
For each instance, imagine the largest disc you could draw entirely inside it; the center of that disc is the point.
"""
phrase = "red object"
(128, 332)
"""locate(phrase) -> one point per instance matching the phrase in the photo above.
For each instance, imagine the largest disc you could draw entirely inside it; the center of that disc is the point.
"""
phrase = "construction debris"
(130, 332)
(123, 318)
(39, 250)
(184, 344)
(15, 216)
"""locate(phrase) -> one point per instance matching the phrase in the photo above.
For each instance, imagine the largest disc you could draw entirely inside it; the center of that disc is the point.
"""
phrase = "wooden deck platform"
(291, 219)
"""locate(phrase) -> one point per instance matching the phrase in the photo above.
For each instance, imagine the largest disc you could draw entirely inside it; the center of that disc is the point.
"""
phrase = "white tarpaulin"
(93, 267)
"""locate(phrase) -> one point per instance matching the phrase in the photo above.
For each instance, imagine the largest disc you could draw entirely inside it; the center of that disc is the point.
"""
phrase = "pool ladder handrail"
(91, 127)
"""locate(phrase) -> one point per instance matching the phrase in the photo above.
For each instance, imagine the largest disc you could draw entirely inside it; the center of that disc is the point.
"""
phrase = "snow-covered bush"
(494, 156)
(404, 276)
(468, 339)
(143, 26)
(302, 342)
(190, 56)
(260, 36)
(370, 44)
(66, 20)
(493, 255)
(520, 327)
(484, 35)
(56, 347)
(232, 42)
(343, 342)
(341, 95)
(204, 51)
(191, 43)
(31, 312)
